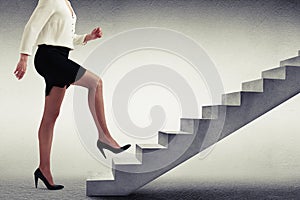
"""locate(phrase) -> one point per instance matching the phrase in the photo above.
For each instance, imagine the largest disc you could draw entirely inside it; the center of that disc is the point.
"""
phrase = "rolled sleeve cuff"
(23, 51)
(79, 39)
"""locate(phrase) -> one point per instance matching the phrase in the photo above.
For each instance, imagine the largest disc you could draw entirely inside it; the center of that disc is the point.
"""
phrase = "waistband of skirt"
(61, 48)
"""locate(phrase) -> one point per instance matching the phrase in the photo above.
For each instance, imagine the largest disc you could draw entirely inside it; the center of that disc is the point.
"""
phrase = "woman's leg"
(51, 111)
(96, 104)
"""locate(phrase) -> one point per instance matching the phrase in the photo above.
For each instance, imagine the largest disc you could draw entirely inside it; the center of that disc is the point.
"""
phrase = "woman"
(52, 27)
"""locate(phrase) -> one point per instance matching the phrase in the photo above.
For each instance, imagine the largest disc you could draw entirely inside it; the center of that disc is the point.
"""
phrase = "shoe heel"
(102, 151)
(35, 181)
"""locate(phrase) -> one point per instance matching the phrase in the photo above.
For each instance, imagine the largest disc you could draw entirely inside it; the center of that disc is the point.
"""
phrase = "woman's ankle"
(110, 142)
(45, 169)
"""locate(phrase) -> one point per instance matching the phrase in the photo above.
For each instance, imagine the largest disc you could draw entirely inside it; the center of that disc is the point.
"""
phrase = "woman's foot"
(39, 175)
(115, 144)
(47, 174)
(107, 139)
(101, 146)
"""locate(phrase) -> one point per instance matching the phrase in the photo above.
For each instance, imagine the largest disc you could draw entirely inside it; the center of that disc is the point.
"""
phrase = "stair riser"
(231, 99)
(138, 154)
(278, 73)
(209, 112)
(253, 86)
(187, 125)
(292, 61)
(163, 139)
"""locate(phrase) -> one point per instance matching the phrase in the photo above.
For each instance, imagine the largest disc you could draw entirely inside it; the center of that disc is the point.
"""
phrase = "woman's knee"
(96, 83)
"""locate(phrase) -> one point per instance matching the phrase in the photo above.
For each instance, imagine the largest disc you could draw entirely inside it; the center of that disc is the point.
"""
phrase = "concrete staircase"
(218, 121)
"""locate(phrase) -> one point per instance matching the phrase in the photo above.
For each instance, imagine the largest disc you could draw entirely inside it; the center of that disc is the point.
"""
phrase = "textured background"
(241, 37)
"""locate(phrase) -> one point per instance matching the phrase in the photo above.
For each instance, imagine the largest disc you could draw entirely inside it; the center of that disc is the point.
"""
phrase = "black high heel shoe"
(101, 146)
(39, 175)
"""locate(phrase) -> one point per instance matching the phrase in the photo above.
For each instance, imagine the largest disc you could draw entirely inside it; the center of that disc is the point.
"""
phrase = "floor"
(157, 190)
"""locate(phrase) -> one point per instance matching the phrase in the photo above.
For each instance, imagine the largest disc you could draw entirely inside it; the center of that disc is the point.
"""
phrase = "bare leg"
(51, 111)
(96, 104)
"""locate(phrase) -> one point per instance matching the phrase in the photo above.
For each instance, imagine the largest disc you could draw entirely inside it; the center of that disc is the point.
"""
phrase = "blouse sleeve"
(79, 39)
(38, 19)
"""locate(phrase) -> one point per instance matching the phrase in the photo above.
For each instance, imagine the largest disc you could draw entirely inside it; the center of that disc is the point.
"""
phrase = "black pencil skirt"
(52, 63)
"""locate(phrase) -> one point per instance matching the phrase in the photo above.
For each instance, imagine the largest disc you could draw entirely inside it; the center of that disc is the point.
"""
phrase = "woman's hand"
(95, 34)
(21, 66)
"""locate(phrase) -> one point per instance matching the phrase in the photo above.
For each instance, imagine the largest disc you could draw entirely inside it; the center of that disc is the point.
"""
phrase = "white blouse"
(52, 23)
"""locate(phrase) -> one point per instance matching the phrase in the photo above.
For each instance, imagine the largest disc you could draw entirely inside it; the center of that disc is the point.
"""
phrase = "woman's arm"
(38, 19)
(36, 22)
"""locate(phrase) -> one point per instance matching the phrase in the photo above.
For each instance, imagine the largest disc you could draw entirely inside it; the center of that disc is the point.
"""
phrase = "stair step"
(232, 98)
(126, 161)
(276, 73)
(253, 86)
(163, 136)
(151, 146)
(213, 112)
(295, 61)
(175, 132)
(101, 176)
(146, 148)
(210, 112)
(188, 125)
(237, 98)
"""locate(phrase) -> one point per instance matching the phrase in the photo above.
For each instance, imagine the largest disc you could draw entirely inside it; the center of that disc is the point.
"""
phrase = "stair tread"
(176, 132)
(232, 93)
(253, 81)
(233, 98)
(253, 85)
(294, 57)
(126, 161)
(151, 146)
(240, 92)
(196, 118)
(219, 105)
(100, 176)
(291, 61)
(270, 69)
(190, 118)
(275, 73)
